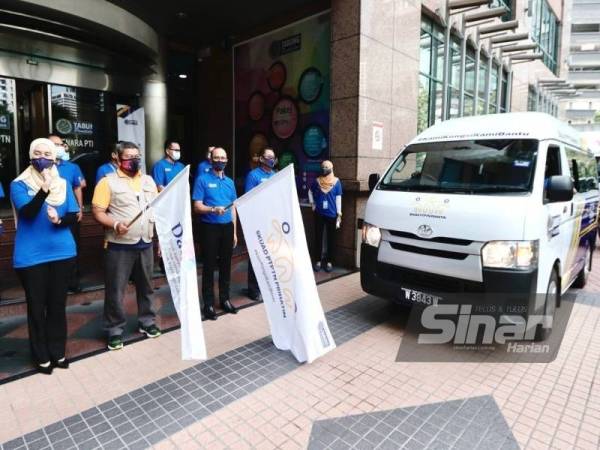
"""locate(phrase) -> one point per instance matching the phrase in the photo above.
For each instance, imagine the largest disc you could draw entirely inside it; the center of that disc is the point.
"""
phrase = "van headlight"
(518, 255)
(371, 235)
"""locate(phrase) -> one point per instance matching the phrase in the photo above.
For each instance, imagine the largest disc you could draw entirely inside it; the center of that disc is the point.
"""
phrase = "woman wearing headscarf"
(44, 252)
(325, 197)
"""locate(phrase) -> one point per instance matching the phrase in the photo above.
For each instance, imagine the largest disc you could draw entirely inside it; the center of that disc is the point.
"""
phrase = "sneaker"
(328, 267)
(115, 343)
(152, 331)
(317, 266)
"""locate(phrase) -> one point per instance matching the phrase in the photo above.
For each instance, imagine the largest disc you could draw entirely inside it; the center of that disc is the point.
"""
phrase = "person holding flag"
(213, 195)
(118, 198)
(265, 170)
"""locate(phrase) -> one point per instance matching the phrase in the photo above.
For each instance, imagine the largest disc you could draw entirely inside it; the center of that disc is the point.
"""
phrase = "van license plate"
(414, 296)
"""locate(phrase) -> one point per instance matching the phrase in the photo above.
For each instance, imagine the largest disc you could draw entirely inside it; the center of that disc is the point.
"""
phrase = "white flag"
(173, 218)
(274, 233)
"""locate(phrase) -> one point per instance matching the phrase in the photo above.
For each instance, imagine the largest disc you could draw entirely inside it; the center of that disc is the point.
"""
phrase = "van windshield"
(469, 167)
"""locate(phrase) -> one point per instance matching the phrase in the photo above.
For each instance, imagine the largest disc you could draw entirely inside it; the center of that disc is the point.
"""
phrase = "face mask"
(130, 166)
(40, 164)
(269, 162)
(61, 152)
(219, 165)
(66, 156)
(175, 155)
(325, 171)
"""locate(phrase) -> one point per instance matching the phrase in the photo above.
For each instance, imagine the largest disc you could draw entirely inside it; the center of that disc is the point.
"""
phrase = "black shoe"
(228, 307)
(61, 363)
(151, 331)
(45, 370)
(209, 313)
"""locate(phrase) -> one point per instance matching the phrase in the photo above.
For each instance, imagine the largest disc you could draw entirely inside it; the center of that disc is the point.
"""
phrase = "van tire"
(550, 305)
(584, 273)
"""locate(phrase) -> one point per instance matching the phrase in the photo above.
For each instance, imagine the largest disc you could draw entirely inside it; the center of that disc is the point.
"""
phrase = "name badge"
(325, 204)
(212, 185)
(167, 169)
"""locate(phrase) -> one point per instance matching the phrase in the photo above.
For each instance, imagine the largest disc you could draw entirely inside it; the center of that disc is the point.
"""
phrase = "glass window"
(454, 78)
(507, 4)
(469, 107)
(431, 67)
(504, 91)
(531, 99)
(8, 154)
(545, 32)
(482, 84)
(493, 96)
(480, 166)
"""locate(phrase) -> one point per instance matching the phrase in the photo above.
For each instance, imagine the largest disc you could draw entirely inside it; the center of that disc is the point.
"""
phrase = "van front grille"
(429, 251)
(429, 282)
(439, 240)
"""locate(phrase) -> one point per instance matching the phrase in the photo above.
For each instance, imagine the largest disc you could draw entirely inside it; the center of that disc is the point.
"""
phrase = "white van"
(494, 203)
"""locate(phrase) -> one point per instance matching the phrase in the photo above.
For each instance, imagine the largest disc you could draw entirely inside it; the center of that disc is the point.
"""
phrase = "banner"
(131, 126)
(173, 219)
(282, 98)
(277, 247)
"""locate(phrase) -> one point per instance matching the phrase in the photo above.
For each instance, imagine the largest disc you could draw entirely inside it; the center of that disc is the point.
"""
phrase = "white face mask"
(61, 153)
(175, 155)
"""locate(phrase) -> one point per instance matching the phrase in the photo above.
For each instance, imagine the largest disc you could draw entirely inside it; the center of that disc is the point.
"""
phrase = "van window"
(583, 169)
(471, 167)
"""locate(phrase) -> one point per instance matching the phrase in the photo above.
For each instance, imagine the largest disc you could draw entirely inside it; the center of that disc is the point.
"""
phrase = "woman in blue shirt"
(325, 197)
(44, 252)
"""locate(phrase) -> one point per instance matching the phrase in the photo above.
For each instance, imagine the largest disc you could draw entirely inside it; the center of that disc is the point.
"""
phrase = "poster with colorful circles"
(282, 94)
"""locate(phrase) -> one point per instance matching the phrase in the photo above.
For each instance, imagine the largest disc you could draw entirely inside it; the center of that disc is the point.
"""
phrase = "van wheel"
(552, 299)
(584, 273)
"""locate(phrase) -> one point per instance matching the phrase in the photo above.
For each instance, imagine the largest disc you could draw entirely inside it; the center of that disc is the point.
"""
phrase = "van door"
(576, 248)
(560, 219)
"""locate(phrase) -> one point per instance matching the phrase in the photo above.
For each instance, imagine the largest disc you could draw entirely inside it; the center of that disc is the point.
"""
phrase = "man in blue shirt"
(213, 196)
(72, 173)
(111, 166)
(205, 166)
(265, 170)
(167, 168)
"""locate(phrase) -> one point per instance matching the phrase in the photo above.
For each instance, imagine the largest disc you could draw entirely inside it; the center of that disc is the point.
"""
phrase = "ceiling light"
(183, 76)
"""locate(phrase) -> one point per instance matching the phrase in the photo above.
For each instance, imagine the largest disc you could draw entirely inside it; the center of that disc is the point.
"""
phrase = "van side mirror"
(373, 180)
(559, 188)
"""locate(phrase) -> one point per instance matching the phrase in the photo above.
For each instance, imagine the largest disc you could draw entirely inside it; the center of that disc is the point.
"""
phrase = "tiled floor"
(249, 395)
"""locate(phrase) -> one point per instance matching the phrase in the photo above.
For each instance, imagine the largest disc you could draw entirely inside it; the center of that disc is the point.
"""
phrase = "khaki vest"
(125, 204)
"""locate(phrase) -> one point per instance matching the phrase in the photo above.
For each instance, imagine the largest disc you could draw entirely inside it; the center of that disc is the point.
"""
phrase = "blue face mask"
(40, 164)
(219, 165)
(270, 163)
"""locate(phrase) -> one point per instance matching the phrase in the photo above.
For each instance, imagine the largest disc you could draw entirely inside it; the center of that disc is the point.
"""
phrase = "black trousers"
(253, 288)
(75, 275)
(326, 224)
(45, 288)
(217, 245)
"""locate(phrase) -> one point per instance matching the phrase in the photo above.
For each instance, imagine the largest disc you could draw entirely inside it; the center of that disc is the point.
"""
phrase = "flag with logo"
(274, 233)
(172, 214)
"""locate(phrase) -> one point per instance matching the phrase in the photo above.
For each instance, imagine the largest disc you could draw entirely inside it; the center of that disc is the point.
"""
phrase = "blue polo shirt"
(214, 191)
(325, 203)
(204, 167)
(1, 191)
(164, 171)
(38, 240)
(70, 172)
(257, 176)
(104, 170)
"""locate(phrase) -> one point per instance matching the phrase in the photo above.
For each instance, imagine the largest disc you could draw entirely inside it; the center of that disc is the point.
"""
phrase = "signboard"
(78, 117)
(377, 136)
(281, 83)
(131, 126)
